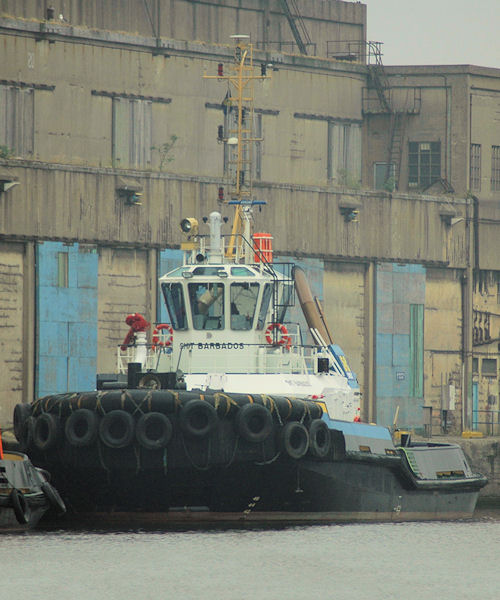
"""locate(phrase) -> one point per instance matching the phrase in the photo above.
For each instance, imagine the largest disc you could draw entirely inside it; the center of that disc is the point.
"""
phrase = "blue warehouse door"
(399, 355)
(67, 318)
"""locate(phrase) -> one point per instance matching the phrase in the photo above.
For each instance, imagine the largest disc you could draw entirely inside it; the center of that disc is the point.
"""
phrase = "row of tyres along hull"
(223, 477)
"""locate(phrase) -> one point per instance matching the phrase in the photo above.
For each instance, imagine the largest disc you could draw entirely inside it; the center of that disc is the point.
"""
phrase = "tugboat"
(227, 414)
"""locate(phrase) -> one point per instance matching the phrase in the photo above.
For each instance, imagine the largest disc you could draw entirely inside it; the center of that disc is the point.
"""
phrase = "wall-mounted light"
(350, 212)
(7, 180)
(447, 216)
(129, 190)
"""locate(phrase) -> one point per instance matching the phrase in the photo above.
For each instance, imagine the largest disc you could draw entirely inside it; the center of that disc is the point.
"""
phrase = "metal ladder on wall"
(398, 122)
(380, 82)
(293, 20)
(377, 76)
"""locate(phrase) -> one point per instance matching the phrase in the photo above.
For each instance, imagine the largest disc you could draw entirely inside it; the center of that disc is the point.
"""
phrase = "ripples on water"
(413, 561)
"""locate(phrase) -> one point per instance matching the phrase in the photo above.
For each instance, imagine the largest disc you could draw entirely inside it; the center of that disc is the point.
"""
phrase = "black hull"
(301, 492)
(218, 466)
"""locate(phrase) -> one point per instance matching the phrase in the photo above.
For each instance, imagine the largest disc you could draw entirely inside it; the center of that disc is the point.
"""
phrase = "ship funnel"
(216, 250)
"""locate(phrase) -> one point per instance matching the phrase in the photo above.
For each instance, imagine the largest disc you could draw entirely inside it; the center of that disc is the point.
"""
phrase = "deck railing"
(246, 358)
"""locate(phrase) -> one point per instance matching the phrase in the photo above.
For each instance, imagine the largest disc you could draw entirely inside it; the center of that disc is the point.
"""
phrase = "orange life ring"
(284, 340)
(161, 343)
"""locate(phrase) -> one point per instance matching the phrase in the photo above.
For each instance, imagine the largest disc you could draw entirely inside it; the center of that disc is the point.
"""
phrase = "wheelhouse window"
(174, 299)
(241, 272)
(243, 304)
(264, 307)
(285, 296)
(207, 305)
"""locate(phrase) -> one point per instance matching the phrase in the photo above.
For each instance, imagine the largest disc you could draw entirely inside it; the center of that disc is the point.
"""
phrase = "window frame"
(424, 164)
(475, 167)
(495, 169)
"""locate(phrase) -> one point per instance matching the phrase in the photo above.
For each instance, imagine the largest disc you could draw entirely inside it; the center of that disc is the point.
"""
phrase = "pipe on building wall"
(468, 288)
(153, 260)
(447, 158)
(369, 405)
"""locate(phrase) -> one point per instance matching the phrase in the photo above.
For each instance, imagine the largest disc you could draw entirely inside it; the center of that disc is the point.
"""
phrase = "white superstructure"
(228, 328)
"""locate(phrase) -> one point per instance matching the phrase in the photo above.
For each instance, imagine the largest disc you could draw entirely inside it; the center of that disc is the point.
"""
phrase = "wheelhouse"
(225, 297)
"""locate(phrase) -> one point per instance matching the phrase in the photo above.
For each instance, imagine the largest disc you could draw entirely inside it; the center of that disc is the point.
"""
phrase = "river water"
(428, 561)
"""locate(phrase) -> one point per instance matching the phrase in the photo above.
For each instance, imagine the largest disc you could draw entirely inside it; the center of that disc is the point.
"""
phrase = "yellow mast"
(240, 140)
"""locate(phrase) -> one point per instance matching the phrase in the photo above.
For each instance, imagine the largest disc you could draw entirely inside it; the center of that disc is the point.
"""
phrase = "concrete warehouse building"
(383, 182)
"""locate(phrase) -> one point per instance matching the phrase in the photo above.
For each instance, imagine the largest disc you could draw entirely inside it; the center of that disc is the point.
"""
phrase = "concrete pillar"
(152, 291)
(29, 328)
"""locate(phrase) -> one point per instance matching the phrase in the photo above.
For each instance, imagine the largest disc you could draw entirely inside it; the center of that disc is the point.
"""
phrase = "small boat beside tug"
(229, 413)
(25, 493)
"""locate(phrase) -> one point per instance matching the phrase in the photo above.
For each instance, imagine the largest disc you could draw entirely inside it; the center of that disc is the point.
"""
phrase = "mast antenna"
(239, 139)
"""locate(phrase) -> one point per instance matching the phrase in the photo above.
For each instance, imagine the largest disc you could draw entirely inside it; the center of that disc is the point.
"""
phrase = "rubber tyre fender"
(81, 427)
(295, 439)
(150, 381)
(20, 506)
(53, 497)
(46, 431)
(117, 429)
(29, 427)
(254, 423)
(153, 422)
(197, 418)
(319, 439)
(21, 413)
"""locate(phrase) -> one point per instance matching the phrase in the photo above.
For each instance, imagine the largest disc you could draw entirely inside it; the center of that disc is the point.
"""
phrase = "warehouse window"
(424, 164)
(475, 167)
(17, 120)
(384, 175)
(62, 269)
(489, 367)
(495, 168)
(344, 153)
(132, 129)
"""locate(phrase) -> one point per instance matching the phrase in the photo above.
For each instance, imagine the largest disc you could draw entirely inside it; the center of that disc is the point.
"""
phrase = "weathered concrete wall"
(73, 120)
(124, 288)
(11, 328)
(484, 457)
(443, 346)
(486, 336)
(456, 106)
(74, 203)
(209, 20)
(345, 308)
